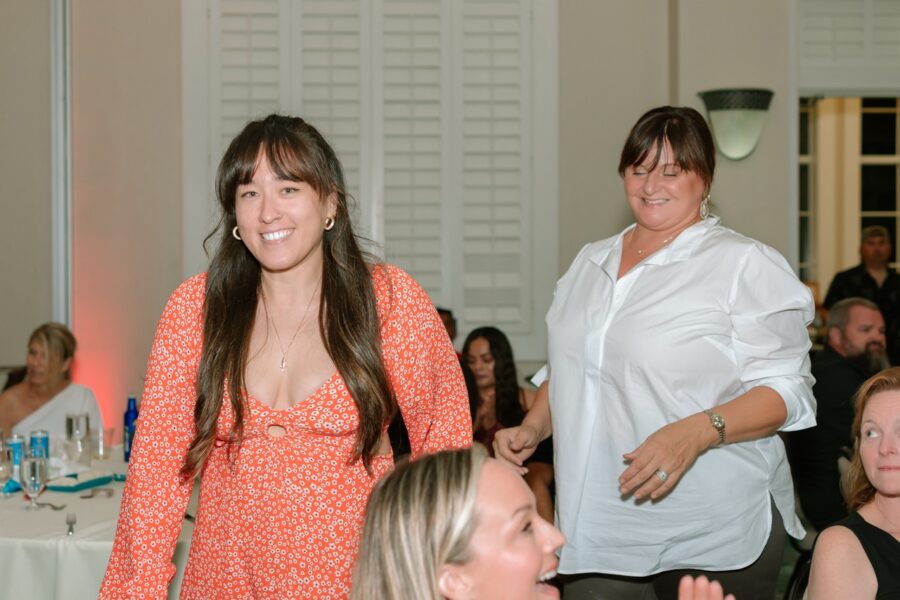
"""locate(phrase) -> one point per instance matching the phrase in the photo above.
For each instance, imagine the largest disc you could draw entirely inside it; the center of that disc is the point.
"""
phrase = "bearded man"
(854, 351)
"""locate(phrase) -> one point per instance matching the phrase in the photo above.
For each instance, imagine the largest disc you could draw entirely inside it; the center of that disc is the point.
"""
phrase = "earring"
(704, 207)
(235, 233)
(329, 223)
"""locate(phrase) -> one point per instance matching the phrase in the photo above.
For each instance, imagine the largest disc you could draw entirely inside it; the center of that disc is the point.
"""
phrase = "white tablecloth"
(37, 557)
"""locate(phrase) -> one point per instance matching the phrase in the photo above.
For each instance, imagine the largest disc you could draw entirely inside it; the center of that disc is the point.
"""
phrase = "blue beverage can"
(39, 439)
(17, 443)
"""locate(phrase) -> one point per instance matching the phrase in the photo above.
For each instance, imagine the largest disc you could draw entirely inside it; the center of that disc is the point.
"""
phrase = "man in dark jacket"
(874, 280)
(854, 351)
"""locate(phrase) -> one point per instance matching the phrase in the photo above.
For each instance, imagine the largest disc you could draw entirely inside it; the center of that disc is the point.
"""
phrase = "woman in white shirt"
(677, 349)
(47, 394)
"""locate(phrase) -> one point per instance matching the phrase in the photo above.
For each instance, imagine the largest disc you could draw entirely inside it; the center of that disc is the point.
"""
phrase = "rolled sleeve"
(770, 310)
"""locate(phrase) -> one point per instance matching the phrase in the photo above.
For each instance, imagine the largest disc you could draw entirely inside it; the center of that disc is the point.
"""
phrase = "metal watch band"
(718, 423)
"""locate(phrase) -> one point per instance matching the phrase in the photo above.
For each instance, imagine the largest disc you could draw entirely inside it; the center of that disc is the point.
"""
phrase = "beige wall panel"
(733, 43)
(126, 171)
(614, 65)
(25, 218)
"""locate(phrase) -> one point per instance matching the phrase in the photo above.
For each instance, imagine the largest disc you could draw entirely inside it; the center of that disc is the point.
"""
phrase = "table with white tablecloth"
(39, 560)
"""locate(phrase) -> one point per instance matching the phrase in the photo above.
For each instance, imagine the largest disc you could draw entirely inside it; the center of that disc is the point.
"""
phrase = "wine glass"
(33, 476)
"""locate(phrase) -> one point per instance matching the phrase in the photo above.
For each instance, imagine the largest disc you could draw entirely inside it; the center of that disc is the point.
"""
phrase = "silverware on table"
(100, 491)
(51, 505)
(70, 523)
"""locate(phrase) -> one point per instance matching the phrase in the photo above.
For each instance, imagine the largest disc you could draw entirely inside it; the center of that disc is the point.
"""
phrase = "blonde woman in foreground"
(859, 557)
(458, 525)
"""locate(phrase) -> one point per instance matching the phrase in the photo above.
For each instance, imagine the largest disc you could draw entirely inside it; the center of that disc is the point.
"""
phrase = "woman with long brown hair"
(273, 378)
(859, 556)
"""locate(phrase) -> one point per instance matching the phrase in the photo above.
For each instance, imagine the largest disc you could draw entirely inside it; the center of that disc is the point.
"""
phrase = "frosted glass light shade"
(736, 117)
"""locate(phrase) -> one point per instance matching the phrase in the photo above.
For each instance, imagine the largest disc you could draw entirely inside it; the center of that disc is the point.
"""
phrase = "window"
(878, 164)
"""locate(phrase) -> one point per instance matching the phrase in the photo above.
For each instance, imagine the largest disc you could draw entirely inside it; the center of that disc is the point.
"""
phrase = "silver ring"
(662, 474)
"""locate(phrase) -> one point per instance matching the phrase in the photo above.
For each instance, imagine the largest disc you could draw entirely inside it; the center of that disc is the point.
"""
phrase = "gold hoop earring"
(235, 233)
(329, 223)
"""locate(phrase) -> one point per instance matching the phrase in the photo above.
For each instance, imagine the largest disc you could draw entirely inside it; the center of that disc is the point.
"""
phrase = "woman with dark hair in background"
(502, 403)
(273, 378)
(677, 349)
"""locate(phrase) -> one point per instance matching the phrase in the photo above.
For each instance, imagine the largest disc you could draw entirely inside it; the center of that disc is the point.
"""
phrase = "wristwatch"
(717, 421)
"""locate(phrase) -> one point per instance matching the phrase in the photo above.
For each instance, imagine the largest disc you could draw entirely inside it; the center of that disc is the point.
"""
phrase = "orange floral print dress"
(281, 517)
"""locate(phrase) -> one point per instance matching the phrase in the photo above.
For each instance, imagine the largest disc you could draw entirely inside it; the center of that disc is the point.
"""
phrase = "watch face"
(718, 422)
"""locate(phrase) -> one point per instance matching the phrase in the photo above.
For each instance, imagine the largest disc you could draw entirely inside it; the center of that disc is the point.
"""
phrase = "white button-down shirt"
(695, 325)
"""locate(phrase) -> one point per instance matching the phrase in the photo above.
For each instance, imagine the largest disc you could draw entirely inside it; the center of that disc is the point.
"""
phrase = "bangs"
(291, 155)
(678, 142)
(687, 134)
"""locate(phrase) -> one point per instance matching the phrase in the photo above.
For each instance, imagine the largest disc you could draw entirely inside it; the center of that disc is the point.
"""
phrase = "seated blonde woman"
(458, 525)
(859, 557)
(42, 400)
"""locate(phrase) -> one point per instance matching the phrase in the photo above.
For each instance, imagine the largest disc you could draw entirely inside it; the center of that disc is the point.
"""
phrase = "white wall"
(25, 218)
(126, 180)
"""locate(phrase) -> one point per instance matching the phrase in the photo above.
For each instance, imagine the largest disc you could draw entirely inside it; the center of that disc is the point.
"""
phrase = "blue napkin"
(11, 486)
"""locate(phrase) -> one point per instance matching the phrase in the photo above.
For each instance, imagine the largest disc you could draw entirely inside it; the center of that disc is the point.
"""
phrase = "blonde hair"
(859, 489)
(58, 342)
(419, 517)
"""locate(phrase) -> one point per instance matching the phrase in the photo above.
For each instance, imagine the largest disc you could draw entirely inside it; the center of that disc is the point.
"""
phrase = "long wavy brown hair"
(348, 320)
(860, 490)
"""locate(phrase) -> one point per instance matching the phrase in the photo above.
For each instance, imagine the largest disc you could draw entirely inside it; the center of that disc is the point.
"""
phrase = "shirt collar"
(607, 254)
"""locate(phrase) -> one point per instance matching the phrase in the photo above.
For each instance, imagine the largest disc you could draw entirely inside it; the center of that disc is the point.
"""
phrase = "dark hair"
(471, 387)
(859, 488)
(506, 381)
(687, 133)
(347, 316)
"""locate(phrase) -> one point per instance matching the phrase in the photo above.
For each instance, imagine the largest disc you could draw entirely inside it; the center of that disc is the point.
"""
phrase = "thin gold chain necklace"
(640, 252)
(269, 319)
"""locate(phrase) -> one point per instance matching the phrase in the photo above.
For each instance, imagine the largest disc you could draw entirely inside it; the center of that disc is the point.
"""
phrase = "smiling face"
(879, 442)
(281, 222)
(481, 362)
(512, 548)
(663, 197)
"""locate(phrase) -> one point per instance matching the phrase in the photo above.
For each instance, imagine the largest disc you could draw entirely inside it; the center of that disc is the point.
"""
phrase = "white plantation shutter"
(495, 152)
(430, 106)
(246, 65)
(848, 47)
(416, 134)
(327, 82)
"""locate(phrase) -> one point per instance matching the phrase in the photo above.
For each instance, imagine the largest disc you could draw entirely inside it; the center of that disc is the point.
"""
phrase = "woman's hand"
(658, 463)
(515, 444)
(701, 589)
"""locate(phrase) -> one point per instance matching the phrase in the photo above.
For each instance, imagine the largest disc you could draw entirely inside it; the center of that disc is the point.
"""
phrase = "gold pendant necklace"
(269, 319)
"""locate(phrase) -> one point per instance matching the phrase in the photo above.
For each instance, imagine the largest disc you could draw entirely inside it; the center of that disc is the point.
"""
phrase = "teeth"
(276, 235)
(547, 576)
(656, 202)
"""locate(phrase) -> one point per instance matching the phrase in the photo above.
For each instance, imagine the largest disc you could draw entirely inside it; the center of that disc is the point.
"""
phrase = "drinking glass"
(5, 466)
(77, 428)
(33, 476)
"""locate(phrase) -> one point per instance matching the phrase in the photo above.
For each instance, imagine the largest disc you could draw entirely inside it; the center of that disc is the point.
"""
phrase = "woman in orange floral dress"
(273, 378)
